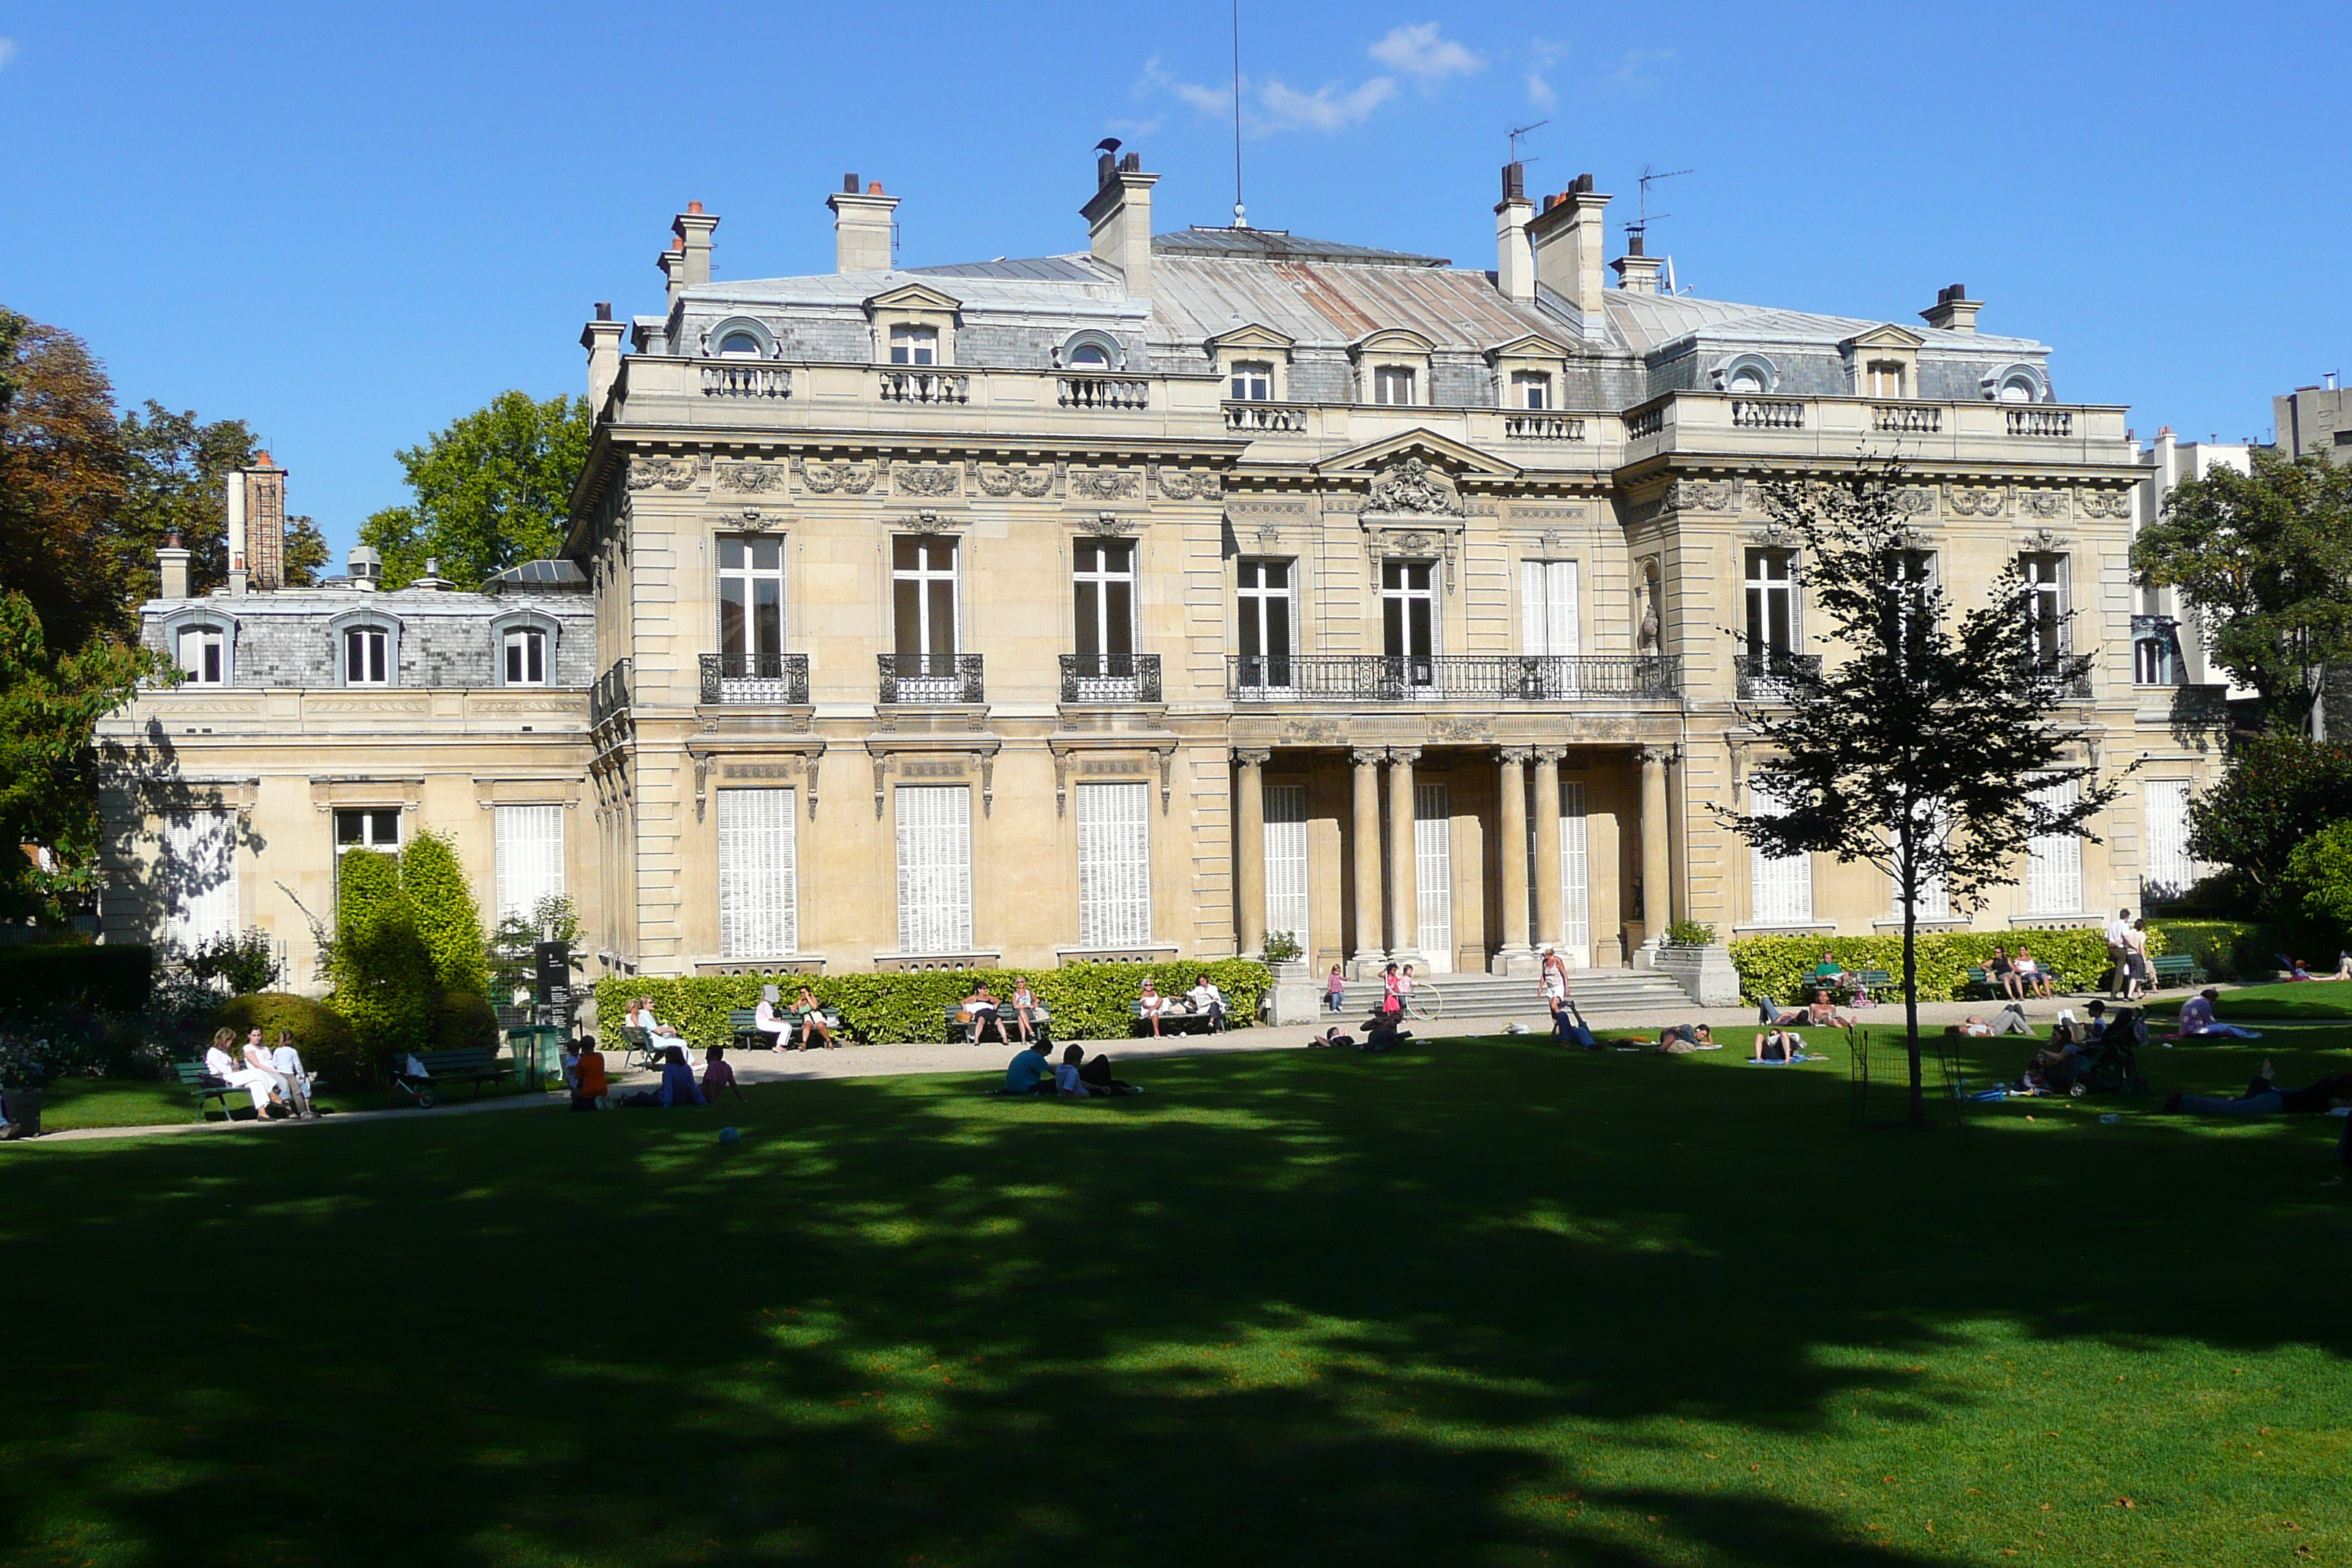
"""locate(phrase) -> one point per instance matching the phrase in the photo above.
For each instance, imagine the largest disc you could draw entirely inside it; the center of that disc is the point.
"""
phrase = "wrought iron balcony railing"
(2067, 675)
(610, 695)
(1767, 676)
(1110, 678)
(777, 679)
(1450, 678)
(931, 677)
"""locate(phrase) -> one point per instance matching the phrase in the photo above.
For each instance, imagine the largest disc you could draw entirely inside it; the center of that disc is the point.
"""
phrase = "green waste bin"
(538, 1050)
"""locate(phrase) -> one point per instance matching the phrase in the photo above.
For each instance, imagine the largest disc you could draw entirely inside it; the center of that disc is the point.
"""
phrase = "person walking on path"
(2118, 955)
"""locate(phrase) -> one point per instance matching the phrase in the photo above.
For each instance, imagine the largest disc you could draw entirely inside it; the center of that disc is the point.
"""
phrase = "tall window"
(751, 605)
(1910, 574)
(2045, 606)
(525, 656)
(1287, 898)
(203, 654)
(1102, 579)
(934, 868)
(758, 870)
(1886, 378)
(1393, 385)
(1433, 874)
(529, 844)
(1530, 389)
(1547, 625)
(1265, 593)
(1114, 865)
(914, 345)
(1780, 889)
(367, 657)
(2168, 865)
(1409, 618)
(197, 877)
(2054, 873)
(1253, 380)
(1772, 604)
(371, 827)
(1575, 875)
(924, 603)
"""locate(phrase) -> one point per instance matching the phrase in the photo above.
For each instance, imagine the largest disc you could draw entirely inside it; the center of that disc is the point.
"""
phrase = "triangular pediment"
(913, 296)
(1252, 335)
(1455, 457)
(1886, 336)
(1528, 345)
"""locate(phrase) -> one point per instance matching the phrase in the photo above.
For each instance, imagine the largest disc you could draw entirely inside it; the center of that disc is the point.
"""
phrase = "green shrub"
(2274, 790)
(448, 920)
(1282, 946)
(323, 1036)
(462, 1022)
(384, 976)
(1689, 933)
(37, 978)
(245, 963)
(2225, 949)
(1781, 967)
(1089, 1001)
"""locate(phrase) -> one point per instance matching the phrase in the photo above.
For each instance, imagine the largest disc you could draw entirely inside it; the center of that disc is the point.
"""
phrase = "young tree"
(2265, 558)
(448, 920)
(1929, 749)
(492, 491)
(384, 977)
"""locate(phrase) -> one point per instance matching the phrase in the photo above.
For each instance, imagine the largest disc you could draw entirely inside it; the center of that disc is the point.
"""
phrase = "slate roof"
(1643, 323)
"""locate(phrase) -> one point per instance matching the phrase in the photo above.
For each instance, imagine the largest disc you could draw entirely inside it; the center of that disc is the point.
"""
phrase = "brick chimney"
(1515, 255)
(1568, 235)
(1953, 310)
(172, 567)
(257, 527)
(1118, 219)
(1637, 271)
(861, 227)
(601, 339)
(693, 231)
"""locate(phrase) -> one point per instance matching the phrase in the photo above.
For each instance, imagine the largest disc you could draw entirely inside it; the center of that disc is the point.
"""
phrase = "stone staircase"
(1474, 998)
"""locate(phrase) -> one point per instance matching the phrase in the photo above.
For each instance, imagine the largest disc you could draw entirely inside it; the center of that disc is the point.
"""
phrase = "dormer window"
(203, 654)
(1392, 385)
(1885, 378)
(2018, 389)
(1530, 389)
(1253, 380)
(739, 345)
(1089, 356)
(914, 345)
(367, 655)
(525, 656)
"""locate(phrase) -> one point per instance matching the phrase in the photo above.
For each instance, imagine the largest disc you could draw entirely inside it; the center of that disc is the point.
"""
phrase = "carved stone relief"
(2104, 503)
(847, 479)
(1916, 500)
(1704, 495)
(1029, 482)
(748, 479)
(669, 473)
(1972, 501)
(1188, 484)
(1106, 484)
(2041, 503)
(923, 480)
(1413, 487)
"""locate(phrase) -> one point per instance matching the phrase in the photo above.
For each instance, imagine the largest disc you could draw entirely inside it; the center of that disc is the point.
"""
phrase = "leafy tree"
(2265, 558)
(1928, 749)
(383, 975)
(244, 963)
(2319, 875)
(175, 479)
(492, 491)
(306, 552)
(447, 920)
(2274, 790)
(61, 482)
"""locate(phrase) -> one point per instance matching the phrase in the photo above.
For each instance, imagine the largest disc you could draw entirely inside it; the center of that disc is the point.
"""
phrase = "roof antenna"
(1638, 231)
(1241, 213)
(1517, 133)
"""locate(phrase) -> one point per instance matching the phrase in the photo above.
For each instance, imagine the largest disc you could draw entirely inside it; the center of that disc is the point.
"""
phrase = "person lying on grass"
(1823, 1013)
(1097, 1076)
(1681, 1039)
(2197, 1023)
(1779, 1045)
(2263, 1097)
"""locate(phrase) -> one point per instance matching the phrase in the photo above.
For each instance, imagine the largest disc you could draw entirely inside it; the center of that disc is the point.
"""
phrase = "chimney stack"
(366, 569)
(1953, 310)
(601, 339)
(1118, 220)
(1514, 256)
(861, 227)
(257, 527)
(172, 564)
(693, 231)
(1567, 237)
(1637, 272)
(673, 265)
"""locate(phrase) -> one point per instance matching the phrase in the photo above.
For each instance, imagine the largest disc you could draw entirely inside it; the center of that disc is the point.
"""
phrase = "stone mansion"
(1145, 599)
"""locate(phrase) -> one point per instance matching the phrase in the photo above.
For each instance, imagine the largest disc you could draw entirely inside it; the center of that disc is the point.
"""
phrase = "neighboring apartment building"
(2315, 419)
(1139, 601)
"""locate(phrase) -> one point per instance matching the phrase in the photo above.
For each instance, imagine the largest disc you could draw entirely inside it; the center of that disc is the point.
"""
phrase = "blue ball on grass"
(730, 1136)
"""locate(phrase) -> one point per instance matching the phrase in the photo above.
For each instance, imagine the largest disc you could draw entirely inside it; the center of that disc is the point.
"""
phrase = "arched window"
(2015, 383)
(367, 649)
(1747, 374)
(2017, 389)
(739, 345)
(1090, 350)
(525, 643)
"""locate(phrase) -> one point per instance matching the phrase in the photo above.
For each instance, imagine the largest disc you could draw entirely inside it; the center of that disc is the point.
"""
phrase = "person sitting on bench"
(2029, 973)
(257, 1057)
(287, 1062)
(1025, 1010)
(981, 1010)
(1777, 1045)
(2263, 1097)
(1029, 1072)
(262, 1087)
(2197, 1023)
(1150, 1005)
(771, 1021)
(812, 1024)
(1207, 999)
(641, 1016)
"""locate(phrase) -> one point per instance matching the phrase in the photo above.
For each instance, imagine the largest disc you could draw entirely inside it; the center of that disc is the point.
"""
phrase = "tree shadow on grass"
(1467, 1305)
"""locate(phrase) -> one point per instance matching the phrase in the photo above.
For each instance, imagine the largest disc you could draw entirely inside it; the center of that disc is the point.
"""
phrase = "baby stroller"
(2104, 1065)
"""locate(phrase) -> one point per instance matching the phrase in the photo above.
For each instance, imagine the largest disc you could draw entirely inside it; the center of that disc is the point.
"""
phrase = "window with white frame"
(1548, 607)
(1530, 389)
(914, 345)
(1262, 593)
(1885, 378)
(1772, 604)
(1114, 865)
(1287, 898)
(197, 878)
(2053, 872)
(1409, 618)
(529, 841)
(2045, 605)
(1102, 586)
(739, 345)
(1780, 887)
(759, 874)
(2169, 867)
(367, 655)
(1253, 380)
(1433, 874)
(925, 603)
(1746, 378)
(525, 653)
(751, 605)
(367, 827)
(1088, 356)
(1393, 385)
(1575, 875)
(2018, 389)
(934, 868)
(203, 654)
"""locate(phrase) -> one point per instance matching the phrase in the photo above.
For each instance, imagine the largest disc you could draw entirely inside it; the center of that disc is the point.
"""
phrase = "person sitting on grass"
(678, 1084)
(1823, 1013)
(2031, 976)
(586, 1076)
(2343, 968)
(2263, 1097)
(812, 1024)
(1779, 1045)
(718, 1076)
(1069, 1081)
(1384, 1035)
(2197, 1023)
(1029, 1072)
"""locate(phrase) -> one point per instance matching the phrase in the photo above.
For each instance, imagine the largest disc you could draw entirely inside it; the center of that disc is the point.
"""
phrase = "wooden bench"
(1173, 1020)
(1979, 981)
(192, 1076)
(477, 1067)
(743, 1025)
(2175, 969)
(1041, 1023)
(1871, 980)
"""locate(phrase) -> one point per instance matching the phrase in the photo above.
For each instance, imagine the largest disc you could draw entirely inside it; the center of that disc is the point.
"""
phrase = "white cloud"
(1633, 70)
(1284, 107)
(7, 50)
(1418, 52)
(1540, 91)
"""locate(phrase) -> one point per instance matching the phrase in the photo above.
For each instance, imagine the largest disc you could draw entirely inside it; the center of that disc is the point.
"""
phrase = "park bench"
(2174, 969)
(192, 1076)
(1874, 980)
(443, 1068)
(744, 1025)
(1041, 1023)
(1173, 1020)
(1980, 982)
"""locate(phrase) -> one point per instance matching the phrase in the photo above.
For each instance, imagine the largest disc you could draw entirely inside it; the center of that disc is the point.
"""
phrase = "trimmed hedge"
(2248, 950)
(322, 1034)
(1781, 967)
(1089, 1001)
(447, 920)
(42, 977)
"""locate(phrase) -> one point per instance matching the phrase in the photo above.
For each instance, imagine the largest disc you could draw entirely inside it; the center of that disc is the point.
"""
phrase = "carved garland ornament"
(2104, 503)
(1704, 495)
(2041, 503)
(669, 473)
(1185, 484)
(923, 480)
(1031, 483)
(1973, 501)
(850, 478)
(1105, 484)
(749, 478)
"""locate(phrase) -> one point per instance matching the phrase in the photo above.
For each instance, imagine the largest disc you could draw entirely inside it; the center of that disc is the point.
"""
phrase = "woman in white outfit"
(769, 1021)
(220, 1064)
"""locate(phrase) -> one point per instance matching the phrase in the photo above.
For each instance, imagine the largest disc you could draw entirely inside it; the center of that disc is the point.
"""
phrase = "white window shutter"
(530, 842)
(758, 873)
(2054, 874)
(934, 868)
(198, 877)
(1286, 863)
(1432, 861)
(1114, 865)
(1548, 607)
(1781, 890)
(2167, 832)
(1575, 875)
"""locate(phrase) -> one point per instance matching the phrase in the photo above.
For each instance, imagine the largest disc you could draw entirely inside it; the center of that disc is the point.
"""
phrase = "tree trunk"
(1911, 1005)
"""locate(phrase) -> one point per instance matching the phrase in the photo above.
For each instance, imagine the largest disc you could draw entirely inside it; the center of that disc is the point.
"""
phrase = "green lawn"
(71, 1103)
(2306, 1001)
(1472, 1304)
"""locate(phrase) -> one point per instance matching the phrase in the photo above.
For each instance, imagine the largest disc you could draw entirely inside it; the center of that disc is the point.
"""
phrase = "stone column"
(1404, 878)
(1368, 957)
(1249, 851)
(1551, 920)
(1657, 851)
(1518, 956)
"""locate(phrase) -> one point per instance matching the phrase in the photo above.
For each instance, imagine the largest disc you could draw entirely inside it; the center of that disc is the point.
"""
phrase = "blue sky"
(350, 225)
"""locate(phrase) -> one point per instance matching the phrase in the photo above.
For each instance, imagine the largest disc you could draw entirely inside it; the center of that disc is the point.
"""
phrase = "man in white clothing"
(287, 1062)
(2118, 953)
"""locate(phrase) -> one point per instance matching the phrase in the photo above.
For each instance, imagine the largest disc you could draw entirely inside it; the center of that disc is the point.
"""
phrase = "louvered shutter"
(934, 868)
(1433, 863)
(1781, 890)
(1114, 865)
(2054, 874)
(1575, 877)
(198, 877)
(1286, 863)
(2168, 866)
(758, 873)
(530, 857)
